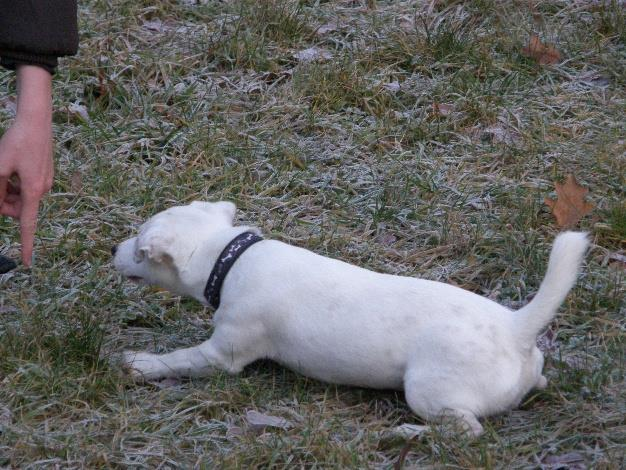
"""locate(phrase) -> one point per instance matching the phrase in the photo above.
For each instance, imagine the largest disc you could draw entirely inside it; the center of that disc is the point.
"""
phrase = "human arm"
(33, 34)
(26, 167)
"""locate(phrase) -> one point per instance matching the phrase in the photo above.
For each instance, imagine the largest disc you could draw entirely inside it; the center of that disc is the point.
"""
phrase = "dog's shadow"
(273, 383)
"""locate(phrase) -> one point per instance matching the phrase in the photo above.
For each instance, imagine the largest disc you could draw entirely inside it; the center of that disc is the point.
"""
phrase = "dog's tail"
(565, 259)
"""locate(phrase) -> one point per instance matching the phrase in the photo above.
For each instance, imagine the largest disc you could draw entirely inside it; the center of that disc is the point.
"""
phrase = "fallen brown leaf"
(617, 257)
(569, 460)
(79, 110)
(387, 239)
(313, 54)
(442, 109)
(545, 54)
(76, 182)
(547, 342)
(259, 421)
(617, 261)
(156, 26)
(570, 205)
(326, 28)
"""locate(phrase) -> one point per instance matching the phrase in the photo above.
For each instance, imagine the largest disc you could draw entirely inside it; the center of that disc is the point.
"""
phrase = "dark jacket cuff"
(11, 59)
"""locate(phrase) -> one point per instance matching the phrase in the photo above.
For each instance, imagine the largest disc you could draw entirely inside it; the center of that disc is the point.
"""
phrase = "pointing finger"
(28, 225)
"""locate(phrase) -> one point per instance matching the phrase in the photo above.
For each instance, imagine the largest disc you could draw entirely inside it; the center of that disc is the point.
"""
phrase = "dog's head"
(173, 248)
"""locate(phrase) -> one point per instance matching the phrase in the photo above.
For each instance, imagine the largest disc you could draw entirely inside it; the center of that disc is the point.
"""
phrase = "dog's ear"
(156, 248)
(224, 208)
(202, 205)
(227, 208)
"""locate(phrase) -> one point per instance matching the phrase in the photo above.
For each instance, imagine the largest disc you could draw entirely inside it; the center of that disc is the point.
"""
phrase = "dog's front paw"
(141, 366)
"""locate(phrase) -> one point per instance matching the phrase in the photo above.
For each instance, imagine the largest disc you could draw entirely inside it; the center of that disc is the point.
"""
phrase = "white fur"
(453, 352)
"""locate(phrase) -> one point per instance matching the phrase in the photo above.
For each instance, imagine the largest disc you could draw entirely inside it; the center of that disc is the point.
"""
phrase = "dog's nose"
(114, 250)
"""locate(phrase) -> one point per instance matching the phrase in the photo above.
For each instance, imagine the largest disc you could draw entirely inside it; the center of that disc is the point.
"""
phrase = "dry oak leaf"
(442, 109)
(76, 182)
(545, 54)
(570, 205)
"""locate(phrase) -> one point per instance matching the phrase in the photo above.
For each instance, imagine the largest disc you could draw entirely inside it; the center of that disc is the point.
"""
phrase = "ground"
(414, 138)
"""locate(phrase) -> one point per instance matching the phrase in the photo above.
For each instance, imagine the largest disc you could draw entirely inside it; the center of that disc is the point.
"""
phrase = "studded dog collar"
(225, 261)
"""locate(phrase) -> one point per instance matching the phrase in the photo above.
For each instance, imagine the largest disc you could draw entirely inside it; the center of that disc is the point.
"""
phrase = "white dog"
(453, 352)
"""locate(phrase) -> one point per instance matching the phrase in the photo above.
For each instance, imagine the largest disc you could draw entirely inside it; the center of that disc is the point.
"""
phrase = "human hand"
(26, 166)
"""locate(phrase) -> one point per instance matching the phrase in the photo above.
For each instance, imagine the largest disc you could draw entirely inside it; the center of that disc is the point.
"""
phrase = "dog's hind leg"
(468, 421)
(435, 397)
(541, 383)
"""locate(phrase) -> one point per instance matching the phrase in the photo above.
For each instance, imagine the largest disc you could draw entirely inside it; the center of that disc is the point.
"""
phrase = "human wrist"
(34, 95)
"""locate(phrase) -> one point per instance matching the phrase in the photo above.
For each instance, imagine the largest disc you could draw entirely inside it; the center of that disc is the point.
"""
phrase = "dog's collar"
(224, 262)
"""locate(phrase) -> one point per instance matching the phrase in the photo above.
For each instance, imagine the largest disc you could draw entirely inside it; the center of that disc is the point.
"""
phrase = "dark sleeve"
(37, 32)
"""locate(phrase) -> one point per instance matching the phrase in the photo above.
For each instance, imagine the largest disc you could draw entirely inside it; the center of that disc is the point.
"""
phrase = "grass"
(424, 147)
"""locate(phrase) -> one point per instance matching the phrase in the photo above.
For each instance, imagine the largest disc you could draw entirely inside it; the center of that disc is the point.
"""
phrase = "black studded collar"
(225, 261)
